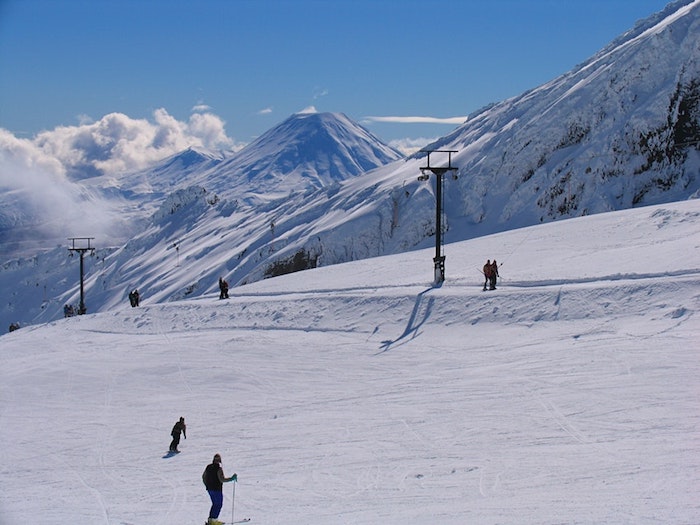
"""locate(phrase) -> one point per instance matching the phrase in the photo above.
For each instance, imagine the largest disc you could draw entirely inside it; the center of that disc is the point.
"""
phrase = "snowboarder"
(223, 288)
(68, 310)
(175, 433)
(213, 478)
(487, 273)
(494, 274)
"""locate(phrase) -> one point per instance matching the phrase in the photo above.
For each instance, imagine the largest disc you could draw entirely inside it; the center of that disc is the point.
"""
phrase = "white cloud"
(408, 146)
(308, 109)
(85, 119)
(265, 111)
(17, 152)
(209, 128)
(417, 120)
(40, 176)
(318, 93)
(36, 192)
(118, 143)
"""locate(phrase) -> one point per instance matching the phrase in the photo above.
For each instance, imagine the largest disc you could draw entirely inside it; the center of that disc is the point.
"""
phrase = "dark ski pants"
(175, 442)
(217, 501)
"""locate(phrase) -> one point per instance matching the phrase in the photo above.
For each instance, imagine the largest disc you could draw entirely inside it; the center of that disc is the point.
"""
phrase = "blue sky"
(255, 62)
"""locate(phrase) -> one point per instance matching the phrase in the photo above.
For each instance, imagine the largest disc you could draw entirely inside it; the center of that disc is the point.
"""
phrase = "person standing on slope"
(487, 273)
(175, 432)
(494, 274)
(223, 288)
(214, 478)
(134, 298)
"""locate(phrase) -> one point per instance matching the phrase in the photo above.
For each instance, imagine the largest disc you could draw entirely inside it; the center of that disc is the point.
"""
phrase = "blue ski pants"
(217, 501)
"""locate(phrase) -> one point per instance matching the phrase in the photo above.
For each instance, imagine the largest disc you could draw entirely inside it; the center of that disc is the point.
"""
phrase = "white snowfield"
(361, 394)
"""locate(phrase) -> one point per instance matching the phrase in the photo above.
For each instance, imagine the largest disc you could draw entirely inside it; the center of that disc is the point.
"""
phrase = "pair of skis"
(232, 522)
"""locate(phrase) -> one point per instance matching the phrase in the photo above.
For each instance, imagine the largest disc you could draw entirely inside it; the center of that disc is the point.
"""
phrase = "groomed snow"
(361, 394)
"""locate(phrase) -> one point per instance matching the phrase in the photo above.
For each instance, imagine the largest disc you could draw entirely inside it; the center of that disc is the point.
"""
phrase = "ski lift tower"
(439, 172)
(82, 245)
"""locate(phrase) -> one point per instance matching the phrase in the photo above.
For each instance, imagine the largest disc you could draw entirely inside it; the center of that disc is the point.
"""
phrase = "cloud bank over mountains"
(47, 172)
(113, 144)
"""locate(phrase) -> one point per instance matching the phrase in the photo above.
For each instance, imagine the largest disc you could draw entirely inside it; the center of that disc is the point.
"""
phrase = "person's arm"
(224, 479)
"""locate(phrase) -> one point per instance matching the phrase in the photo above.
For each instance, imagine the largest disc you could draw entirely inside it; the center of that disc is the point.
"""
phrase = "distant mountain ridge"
(618, 131)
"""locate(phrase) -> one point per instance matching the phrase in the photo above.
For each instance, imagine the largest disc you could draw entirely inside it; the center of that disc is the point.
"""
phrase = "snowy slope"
(358, 393)
(620, 130)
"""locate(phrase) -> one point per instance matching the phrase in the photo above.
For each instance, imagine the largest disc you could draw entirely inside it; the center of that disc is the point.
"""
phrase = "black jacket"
(213, 477)
(177, 428)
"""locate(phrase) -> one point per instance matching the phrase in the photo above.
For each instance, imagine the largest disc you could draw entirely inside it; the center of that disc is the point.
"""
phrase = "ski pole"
(233, 501)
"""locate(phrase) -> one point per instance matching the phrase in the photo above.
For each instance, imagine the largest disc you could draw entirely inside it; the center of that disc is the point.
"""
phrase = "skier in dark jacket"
(175, 432)
(487, 273)
(223, 288)
(214, 478)
(494, 274)
(134, 297)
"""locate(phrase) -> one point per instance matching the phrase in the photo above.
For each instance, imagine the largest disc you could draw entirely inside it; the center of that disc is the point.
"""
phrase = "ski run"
(362, 394)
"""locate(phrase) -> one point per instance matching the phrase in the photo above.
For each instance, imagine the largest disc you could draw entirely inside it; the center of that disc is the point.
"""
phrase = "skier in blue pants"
(214, 478)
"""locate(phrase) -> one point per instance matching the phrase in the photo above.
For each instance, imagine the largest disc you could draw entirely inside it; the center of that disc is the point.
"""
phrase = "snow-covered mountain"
(308, 151)
(620, 130)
